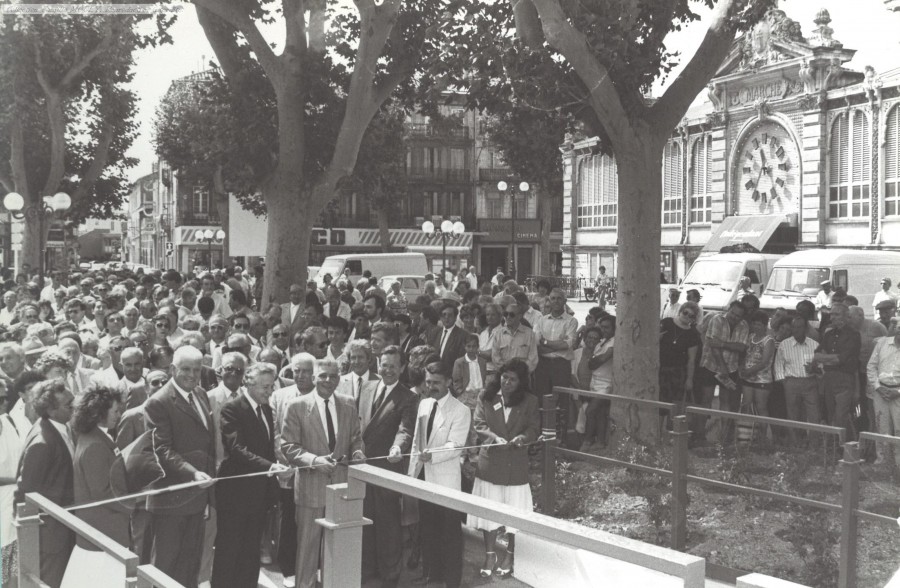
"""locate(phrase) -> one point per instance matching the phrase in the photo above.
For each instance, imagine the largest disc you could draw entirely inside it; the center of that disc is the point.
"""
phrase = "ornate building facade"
(792, 149)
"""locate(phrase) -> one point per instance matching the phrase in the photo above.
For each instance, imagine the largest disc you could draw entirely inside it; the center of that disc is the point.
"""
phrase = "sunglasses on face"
(688, 314)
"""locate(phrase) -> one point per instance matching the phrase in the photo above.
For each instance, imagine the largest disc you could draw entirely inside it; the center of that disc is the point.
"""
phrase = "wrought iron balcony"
(439, 173)
(190, 218)
(494, 174)
(430, 130)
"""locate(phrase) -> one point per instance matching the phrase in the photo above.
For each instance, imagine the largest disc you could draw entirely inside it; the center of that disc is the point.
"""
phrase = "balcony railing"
(430, 130)
(494, 174)
(439, 173)
(189, 217)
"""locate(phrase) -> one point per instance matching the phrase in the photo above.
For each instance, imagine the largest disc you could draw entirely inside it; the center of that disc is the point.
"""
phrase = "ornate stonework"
(758, 47)
(822, 34)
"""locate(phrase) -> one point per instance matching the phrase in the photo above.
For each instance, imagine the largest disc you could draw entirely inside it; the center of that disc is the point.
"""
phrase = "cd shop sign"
(328, 237)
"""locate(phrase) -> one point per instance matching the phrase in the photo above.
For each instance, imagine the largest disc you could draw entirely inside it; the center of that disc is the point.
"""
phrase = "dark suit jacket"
(130, 427)
(249, 448)
(504, 464)
(99, 477)
(208, 378)
(392, 424)
(46, 467)
(183, 446)
(454, 348)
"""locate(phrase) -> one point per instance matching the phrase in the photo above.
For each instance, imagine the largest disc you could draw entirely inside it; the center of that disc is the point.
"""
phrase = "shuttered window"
(598, 196)
(892, 163)
(850, 166)
(672, 184)
(701, 181)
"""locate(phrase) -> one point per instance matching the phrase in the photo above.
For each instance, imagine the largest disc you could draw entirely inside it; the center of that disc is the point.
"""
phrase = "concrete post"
(343, 523)
(28, 535)
(850, 465)
(680, 434)
(548, 481)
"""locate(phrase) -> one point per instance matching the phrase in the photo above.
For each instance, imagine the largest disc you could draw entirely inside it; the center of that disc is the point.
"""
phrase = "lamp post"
(523, 188)
(209, 236)
(15, 204)
(448, 230)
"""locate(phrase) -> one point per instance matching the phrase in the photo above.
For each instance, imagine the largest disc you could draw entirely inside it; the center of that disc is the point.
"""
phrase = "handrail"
(724, 414)
(689, 567)
(81, 528)
(590, 457)
(879, 438)
(764, 493)
(616, 397)
(28, 520)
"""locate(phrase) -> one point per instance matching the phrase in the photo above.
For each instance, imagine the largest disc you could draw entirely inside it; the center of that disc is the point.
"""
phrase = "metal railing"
(848, 509)
(28, 529)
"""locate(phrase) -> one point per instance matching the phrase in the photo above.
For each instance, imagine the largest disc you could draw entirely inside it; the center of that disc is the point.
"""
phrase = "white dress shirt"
(64, 432)
(253, 406)
(475, 382)
(320, 404)
(295, 308)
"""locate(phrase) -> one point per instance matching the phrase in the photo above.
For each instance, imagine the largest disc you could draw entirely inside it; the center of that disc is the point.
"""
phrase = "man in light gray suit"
(318, 430)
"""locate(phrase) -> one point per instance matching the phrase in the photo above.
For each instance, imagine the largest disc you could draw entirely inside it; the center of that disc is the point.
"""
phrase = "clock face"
(767, 171)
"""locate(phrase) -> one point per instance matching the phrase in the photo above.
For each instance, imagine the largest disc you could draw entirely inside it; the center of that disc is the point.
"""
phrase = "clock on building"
(767, 171)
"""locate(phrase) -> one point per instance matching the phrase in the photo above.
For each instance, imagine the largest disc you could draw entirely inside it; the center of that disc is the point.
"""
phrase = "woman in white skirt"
(506, 421)
(97, 478)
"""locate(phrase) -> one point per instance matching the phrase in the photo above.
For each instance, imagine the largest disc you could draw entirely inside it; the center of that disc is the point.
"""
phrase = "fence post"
(28, 536)
(548, 481)
(849, 519)
(680, 434)
(343, 523)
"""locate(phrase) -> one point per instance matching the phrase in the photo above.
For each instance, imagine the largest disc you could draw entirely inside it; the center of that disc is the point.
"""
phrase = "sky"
(864, 25)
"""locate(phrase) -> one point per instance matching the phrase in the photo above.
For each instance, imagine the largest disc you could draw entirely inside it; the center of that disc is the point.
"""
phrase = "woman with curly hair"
(54, 365)
(96, 414)
(506, 421)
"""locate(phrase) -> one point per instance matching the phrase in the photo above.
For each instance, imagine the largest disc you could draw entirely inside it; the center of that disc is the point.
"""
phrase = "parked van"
(380, 264)
(859, 272)
(717, 276)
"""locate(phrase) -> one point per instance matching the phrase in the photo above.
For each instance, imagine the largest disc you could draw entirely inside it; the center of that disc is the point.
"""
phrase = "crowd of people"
(443, 386)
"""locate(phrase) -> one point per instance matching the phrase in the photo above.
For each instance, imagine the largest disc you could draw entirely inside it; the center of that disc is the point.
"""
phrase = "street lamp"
(209, 236)
(523, 188)
(448, 230)
(15, 204)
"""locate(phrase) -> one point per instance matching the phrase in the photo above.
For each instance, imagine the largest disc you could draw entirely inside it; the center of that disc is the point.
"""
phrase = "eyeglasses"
(158, 383)
(114, 319)
(688, 314)
(141, 342)
(161, 323)
(233, 370)
(279, 334)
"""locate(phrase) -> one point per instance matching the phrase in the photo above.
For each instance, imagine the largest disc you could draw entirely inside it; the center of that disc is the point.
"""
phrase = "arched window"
(701, 182)
(892, 163)
(850, 166)
(598, 193)
(672, 186)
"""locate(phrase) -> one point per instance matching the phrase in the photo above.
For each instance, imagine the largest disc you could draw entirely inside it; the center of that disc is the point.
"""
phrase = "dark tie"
(443, 340)
(431, 421)
(379, 398)
(262, 418)
(358, 388)
(193, 402)
(330, 423)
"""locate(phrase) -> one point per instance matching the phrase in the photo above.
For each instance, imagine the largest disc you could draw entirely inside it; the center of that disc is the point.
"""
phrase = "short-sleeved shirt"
(719, 328)
(674, 344)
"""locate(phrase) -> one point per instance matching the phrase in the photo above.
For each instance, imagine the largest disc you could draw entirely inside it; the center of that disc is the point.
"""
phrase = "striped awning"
(415, 240)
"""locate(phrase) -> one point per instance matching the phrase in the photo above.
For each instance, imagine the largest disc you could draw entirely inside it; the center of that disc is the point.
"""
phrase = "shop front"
(514, 245)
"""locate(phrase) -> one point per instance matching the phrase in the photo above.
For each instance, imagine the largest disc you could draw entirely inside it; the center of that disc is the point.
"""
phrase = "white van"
(717, 276)
(380, 264)
(859, 272)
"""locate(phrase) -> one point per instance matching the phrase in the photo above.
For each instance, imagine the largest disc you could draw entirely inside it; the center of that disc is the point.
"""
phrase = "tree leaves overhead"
(86, 63)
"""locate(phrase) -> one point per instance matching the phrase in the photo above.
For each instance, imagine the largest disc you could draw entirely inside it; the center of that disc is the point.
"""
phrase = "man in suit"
(303, 367)
(387, 417)
(218, 332)
(248, 432)
(450, 340)
(46, 467)
(81, 377)
(109, 376)
(184, 438)
(360, 378)
(234, 365)
(442, 423)
(470, 373)
(319, 430)
(132, 384)
(292, 312)
(208, 377)
(335, 306)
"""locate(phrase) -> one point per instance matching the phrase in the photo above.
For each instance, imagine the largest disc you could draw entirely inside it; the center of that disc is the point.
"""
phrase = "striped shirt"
(552, 328)
(792, 357)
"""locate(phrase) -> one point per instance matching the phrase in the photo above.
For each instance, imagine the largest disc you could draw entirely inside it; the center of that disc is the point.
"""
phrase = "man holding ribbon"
(318, 432)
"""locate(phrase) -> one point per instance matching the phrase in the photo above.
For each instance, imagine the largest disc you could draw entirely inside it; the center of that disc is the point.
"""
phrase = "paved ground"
(473, 557)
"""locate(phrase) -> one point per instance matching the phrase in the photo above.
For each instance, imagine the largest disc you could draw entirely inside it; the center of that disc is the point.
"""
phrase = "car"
(85, 266)
(411, 285)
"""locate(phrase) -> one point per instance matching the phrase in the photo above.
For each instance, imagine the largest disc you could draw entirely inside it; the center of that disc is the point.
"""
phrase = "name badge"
(117, 451)
(498, 406)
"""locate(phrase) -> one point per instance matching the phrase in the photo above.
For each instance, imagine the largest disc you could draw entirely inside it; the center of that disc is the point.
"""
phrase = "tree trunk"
(545, 213)
(31, 242)
(287, 244)
(636, 357)
(384, 232)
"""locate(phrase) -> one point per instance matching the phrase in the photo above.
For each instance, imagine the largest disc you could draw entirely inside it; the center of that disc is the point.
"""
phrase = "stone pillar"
(814, 150)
